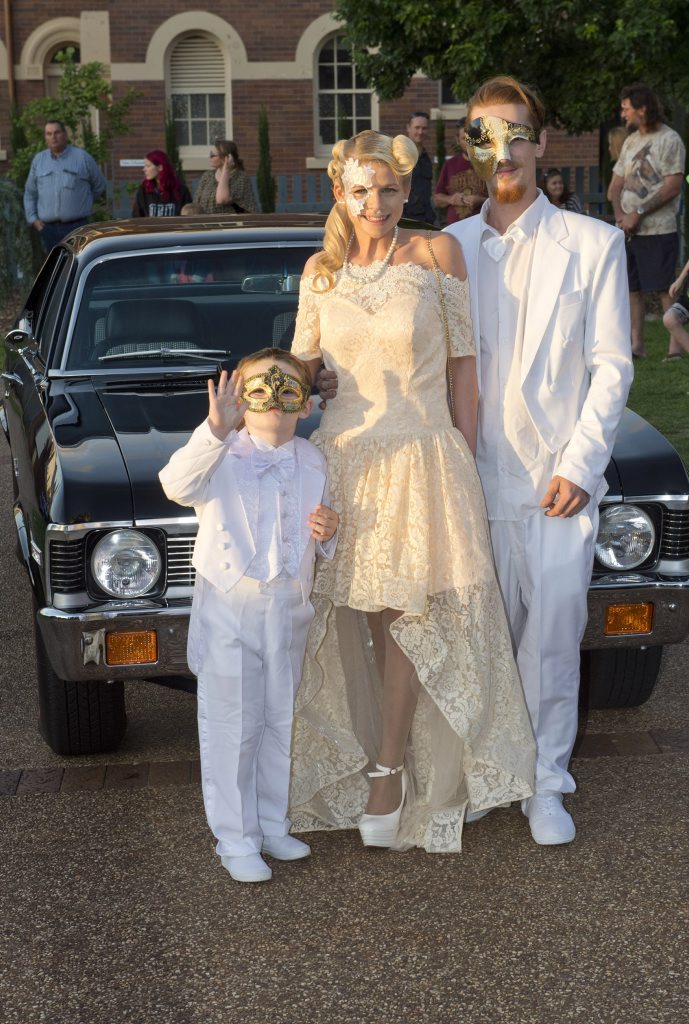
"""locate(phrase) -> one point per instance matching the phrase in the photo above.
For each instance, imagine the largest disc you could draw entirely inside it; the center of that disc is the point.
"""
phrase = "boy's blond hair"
(301, 370)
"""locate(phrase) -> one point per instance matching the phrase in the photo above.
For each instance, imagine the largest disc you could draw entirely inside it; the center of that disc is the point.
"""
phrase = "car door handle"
(14, 377)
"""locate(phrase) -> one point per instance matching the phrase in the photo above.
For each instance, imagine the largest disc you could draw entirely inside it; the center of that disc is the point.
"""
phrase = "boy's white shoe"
(250, 868)
(550, 823)
(285, 847)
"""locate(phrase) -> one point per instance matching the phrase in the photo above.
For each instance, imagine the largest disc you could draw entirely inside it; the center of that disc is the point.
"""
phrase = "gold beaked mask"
(488, 142)
(275, 389)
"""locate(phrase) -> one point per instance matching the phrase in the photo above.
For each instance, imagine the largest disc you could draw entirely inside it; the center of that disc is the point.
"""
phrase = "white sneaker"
(550, 823)
(285, 847)
(250, 868)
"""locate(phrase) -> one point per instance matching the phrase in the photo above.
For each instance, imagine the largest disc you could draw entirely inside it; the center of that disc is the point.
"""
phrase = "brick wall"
(270, 32)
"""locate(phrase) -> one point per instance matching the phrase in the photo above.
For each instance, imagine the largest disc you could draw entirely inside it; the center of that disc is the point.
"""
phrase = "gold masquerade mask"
(488, 142)
(275, 389)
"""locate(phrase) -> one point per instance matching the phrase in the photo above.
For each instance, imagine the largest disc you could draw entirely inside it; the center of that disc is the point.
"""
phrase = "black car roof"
(168, 232)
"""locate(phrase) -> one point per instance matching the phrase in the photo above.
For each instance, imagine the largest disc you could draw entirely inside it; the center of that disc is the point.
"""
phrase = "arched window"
(344, 104)
(198, 92)
(54, 69)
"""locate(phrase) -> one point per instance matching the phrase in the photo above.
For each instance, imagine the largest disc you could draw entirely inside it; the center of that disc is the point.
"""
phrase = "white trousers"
(253, 641)
(544, 570)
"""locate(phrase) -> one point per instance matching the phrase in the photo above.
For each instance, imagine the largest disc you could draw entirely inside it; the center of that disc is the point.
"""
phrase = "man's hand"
(323, 522)
(38, 224)
(564, 499)
(225, 406)
(326, 382)
(629, 222)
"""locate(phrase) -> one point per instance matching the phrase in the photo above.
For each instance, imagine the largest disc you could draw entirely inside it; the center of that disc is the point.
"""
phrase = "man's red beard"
(507, 191)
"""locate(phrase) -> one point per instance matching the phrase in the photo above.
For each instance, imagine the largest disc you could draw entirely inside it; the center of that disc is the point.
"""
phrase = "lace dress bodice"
(385, 338)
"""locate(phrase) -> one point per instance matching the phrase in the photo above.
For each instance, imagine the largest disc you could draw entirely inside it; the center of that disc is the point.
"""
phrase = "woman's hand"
(675, 288)
(323, 522)
(225, 405)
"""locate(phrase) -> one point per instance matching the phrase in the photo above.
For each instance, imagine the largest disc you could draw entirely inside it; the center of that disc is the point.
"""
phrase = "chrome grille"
(67, 566)
(180, 571)
(674, 544)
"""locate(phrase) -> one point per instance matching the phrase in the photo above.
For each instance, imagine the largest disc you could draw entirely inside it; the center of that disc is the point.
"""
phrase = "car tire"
(620, 678)
(85, 717)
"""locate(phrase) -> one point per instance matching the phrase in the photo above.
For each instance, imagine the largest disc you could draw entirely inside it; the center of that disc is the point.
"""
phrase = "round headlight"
(626, 536)
(126, 563)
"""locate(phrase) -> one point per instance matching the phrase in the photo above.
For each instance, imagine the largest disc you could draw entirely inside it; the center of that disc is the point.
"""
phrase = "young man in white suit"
(261, 497)
(550, 311)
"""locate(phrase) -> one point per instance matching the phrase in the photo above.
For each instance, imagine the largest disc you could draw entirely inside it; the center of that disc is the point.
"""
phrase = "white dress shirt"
(514, 464)
(277, 539)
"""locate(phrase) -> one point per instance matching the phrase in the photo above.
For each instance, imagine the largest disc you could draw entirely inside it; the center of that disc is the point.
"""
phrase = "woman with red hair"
(161, 193)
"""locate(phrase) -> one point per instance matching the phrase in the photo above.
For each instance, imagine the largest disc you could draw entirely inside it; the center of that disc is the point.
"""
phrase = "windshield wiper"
(194, 353)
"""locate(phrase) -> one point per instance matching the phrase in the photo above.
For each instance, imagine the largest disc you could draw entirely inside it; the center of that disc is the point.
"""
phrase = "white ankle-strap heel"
(381, 829)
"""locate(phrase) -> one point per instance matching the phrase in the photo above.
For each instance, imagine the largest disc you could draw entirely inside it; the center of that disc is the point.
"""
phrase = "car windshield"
(208, 304)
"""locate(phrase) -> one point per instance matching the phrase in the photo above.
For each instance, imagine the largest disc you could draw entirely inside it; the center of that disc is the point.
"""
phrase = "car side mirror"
(17, 339)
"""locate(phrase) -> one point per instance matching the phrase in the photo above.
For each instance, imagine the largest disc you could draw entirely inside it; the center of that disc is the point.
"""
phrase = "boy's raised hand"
(225, 405)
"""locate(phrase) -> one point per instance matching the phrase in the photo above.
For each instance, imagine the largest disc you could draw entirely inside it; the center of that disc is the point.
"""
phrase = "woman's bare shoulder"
(447, 251)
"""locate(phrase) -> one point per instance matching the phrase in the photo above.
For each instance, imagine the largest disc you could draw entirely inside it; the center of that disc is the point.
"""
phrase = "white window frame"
(323, 151)
(195, 157)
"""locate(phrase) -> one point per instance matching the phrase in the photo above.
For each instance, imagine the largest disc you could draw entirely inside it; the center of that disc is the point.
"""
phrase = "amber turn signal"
(628, 618)
(131, 648)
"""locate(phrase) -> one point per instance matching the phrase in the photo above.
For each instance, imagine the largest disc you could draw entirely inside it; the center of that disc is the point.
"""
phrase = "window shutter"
(197, 65)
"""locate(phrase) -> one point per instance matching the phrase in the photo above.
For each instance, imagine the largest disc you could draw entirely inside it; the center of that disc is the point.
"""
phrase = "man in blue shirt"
(61, 187)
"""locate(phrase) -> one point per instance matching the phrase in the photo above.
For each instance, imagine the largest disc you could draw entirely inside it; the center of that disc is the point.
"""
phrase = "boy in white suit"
(549, 305)
(261, 497)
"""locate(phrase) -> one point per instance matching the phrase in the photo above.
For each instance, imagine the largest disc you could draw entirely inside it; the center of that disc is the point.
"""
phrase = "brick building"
(215, 68)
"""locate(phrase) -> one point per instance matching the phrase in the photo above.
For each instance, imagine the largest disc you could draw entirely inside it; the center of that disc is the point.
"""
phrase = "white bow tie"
(496, 245)
(278, 459)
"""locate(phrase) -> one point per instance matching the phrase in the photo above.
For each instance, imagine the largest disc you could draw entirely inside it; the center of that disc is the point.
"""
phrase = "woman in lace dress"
(410, 710)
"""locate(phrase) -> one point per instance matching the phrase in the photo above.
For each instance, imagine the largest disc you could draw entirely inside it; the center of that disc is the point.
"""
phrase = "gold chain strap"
(443, 310)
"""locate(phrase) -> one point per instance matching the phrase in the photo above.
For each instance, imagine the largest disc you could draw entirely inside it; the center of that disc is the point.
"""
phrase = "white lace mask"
(356, 176)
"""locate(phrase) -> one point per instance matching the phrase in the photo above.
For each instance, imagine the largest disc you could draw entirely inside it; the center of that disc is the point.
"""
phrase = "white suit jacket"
(576, 366)
(210, 475)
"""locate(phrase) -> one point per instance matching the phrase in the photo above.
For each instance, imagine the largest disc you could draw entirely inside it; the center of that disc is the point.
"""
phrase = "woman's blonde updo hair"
(400, 154)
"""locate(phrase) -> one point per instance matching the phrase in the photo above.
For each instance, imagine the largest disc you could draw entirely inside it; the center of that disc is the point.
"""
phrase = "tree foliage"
(265, 182)
(579, 53)
(82, 88)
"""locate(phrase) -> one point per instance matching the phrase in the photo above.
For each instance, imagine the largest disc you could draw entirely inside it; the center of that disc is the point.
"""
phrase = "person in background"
(553, 185)
(645, 195)
(419, 205)
(616, 140)
(459, 188)
(161, 193)
(62, 185)
(226, 187)
(676, 317)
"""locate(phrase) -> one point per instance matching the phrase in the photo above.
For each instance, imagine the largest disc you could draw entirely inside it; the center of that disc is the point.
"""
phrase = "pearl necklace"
(346, 266)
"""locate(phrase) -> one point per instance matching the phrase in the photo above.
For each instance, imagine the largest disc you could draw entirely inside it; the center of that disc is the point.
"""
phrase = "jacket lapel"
(550, 262)
(246, 494)
(312, 487)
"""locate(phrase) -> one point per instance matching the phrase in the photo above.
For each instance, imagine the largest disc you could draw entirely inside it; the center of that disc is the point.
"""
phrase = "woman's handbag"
(443, 310)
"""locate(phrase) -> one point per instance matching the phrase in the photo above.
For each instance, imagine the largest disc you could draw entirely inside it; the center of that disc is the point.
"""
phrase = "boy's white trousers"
(544, 569)
(251, 651)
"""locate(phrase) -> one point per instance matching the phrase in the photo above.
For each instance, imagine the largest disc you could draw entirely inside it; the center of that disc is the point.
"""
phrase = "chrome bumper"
(75, 641)
(670, 599)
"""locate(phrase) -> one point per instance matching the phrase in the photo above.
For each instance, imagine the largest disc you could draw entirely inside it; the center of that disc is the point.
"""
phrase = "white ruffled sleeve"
(307, 330)
(456, 294)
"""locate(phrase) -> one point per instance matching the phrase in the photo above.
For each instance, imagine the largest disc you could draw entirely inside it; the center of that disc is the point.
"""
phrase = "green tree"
(265, 182)
(577, 52)
(82, 89)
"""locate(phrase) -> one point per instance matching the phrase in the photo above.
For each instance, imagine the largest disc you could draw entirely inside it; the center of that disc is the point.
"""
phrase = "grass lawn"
(659, 391)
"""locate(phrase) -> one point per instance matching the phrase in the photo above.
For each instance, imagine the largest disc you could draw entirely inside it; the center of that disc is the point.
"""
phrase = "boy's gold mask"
(488, 142)
(275, 389)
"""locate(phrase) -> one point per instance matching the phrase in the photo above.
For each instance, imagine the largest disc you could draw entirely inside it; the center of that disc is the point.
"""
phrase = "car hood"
(111, 439)
(646, 462)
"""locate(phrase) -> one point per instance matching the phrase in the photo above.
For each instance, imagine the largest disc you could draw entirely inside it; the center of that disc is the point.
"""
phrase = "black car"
(106, 375)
